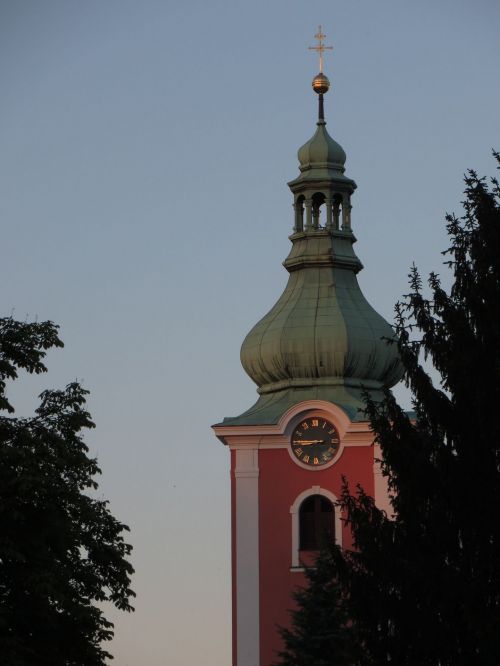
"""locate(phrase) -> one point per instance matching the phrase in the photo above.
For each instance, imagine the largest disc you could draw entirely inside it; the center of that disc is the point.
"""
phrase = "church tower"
(312, 356)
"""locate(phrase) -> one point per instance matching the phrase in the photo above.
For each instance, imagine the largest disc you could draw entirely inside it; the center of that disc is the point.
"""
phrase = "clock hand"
(307, 442)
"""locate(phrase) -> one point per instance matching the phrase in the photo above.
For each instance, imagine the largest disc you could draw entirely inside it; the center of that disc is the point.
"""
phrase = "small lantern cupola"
(322, 161)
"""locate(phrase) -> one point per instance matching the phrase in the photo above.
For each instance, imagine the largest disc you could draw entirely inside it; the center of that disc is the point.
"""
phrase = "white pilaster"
(247, 557)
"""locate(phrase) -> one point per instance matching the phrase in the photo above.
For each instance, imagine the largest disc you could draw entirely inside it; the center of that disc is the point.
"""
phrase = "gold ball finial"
(321, 84)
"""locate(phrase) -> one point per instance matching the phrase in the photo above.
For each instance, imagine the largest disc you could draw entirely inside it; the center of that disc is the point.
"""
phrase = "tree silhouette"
(62, 553)
(422, 586)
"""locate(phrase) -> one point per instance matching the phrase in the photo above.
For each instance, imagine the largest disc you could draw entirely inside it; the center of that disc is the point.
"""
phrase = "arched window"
(318, 199)
(299, 213)
(316, 522)
(334, 528)
(337, 203)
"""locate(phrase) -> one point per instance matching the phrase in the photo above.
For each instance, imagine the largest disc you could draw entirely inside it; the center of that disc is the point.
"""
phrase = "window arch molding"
(294, 512)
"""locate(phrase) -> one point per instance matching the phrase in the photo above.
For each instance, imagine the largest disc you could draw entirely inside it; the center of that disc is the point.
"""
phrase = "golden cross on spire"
(320, 48)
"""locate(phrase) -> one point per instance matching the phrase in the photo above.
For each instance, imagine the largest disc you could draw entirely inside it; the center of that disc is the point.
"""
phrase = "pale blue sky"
(145, 148)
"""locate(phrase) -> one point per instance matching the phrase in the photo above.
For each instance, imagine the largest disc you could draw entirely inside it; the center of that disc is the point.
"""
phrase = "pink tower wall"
(266, 484)
(280, 482)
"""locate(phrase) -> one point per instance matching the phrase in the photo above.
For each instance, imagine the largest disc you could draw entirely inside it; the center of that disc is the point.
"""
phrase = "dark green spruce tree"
(62, 553)
(423, 586)
(321, 632)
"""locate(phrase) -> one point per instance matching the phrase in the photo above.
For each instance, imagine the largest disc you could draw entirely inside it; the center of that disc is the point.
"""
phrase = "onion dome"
(322, 331)
(322, 339)
(321, 152)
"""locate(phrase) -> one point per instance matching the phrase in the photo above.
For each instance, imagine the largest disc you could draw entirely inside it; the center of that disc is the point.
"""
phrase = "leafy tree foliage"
(423, 586)
(61, 550)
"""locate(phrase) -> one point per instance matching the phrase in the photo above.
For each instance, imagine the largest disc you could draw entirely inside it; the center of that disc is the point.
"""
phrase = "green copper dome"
(322, 339)
(322, 331)
(322, 152)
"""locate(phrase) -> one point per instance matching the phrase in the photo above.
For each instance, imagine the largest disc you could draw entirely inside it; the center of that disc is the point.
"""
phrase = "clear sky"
(145, 148)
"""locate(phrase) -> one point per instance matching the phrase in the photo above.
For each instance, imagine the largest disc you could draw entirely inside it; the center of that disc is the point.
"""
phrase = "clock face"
(315, 441)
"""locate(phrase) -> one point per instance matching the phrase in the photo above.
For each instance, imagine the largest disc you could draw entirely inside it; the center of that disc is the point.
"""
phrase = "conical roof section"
(321, 152)
(322, 339)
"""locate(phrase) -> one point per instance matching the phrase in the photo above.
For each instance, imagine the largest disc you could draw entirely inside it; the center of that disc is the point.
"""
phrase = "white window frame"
(294, 511)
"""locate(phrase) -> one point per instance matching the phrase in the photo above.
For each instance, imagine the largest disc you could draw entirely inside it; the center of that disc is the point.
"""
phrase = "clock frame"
(315, 442)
